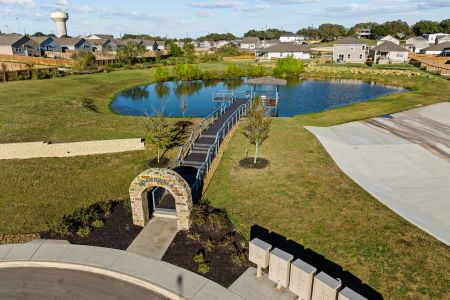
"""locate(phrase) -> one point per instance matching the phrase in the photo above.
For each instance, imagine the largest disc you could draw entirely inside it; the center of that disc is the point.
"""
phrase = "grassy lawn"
(304, 196)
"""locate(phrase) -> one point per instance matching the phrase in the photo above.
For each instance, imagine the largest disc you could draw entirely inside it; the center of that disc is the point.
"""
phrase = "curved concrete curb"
(163, 278)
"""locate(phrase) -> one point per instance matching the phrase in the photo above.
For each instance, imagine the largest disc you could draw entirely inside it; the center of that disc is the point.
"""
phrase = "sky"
(185, 18)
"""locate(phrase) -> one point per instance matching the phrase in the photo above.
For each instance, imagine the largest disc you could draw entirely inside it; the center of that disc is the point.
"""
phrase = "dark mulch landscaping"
(227, 244)
(118, 231)
(247, 163)
(163, 162)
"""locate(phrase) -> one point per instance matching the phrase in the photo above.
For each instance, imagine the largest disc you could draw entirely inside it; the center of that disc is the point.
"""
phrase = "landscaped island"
(302, 194)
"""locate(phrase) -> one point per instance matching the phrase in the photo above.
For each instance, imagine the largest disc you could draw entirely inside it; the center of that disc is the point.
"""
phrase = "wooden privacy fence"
(6, 76)
(36, 60)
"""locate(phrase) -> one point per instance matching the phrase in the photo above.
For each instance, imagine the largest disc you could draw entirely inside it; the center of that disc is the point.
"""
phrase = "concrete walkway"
(158, 276)
(41, 149)
(155, 238)
(402, 161)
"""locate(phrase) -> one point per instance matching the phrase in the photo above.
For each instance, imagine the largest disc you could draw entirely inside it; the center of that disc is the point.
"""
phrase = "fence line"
(6, 76)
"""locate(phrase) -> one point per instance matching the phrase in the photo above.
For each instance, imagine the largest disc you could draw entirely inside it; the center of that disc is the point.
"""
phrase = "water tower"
(60, 18)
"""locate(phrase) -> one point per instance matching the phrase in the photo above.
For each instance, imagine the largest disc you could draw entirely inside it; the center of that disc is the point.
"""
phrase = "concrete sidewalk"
(41, 149)
(155, 238)
(402, 168)
(163, 278)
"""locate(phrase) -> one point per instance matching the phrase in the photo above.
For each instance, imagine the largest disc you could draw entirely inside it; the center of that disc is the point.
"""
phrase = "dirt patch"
(117, 232)
(17, 238)
(219, 249)
(248, 163)
(163, 162)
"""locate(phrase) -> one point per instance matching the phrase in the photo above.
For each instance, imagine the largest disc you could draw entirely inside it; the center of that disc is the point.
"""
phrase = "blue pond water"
(194, 98)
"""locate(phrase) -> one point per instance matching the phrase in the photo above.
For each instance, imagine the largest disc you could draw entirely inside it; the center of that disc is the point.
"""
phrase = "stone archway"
(169, 180)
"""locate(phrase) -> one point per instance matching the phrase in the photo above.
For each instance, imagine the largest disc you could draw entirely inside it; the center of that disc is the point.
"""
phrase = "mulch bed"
(247, 163)
(118, 231)
(222, 269)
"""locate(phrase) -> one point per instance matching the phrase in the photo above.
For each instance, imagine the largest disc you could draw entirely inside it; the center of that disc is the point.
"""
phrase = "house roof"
(273, 41)
(98, 42)
(439, 47)
(286, 47)
(137, 41)
(267, 80)
(250, 40)
(40, 39)
(289, 34)
(148, 42)
(443, 37)
(69, 41)
(10, 39)
(102, 36)
(117, 42)
(161, 43)
(387, 38)
(418, 39)
(389, 47)
(349, 41)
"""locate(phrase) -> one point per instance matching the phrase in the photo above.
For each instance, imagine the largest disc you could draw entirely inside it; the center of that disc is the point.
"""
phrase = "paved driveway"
(49, 283)
(403, 160)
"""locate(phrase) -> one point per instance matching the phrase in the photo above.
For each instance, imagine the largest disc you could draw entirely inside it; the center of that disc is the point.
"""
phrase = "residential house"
(250, 43)
(73, 44)
(416, 44)
(349, 50)
(100, 45)
(161, 45)
(207, 44)
(135, 41)
(443, 38)
(442, 49)
(282, 50)
(150, 45)
(116, 44)
(289, 37)
(432, 37)
(220, 44)
(363, 33)
(179, 44)
(16, 44)
(269, 43)
(388, 38)
(47, 43)
(101, 37)
(389, 53)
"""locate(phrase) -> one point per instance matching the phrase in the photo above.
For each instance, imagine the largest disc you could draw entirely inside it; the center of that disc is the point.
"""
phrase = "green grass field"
(304, 196)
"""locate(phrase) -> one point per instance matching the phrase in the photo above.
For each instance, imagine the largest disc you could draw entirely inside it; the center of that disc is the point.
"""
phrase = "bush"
(228, 240)
(98, 224)
(83, 61)
(237, 257)
(194, 236)
(21, 77)
(187, 72)
(203, 268)
(228, 50)
(218, 220)
(161, 74)
(256, 71)
(83, 231)
(288, 67)
(208, 245)
(199, 258)
(234, 71)
(199, 214)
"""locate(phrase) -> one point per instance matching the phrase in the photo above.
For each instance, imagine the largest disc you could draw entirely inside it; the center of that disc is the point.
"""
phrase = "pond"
(194, 98)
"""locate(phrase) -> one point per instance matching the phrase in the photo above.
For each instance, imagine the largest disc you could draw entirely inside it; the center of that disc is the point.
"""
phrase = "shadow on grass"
(316, 260)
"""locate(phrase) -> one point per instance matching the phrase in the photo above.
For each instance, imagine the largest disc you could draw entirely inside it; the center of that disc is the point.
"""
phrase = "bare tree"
(160, 134)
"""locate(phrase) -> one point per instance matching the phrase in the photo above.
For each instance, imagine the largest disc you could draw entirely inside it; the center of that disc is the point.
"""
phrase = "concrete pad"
(155, 238)
(214, 291)
(104, 257)
(50, 251)
(21, 252)
(399, 164)
(249, 287)
(182, 281)
(4, 249)
(77, 254)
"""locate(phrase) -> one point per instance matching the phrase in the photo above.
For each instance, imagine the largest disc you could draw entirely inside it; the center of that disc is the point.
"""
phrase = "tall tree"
(329, 32)
(445, 25)
(309, 32)
(257, 125)
(131, 52)
(160, 134)
(425, 26)
(175, 50)
(398, 28)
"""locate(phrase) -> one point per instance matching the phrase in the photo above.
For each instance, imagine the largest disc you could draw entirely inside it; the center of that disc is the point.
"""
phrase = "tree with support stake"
(160, 134)
(257, 125)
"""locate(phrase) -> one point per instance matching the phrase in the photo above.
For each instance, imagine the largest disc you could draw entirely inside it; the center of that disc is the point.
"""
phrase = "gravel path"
(41, 149)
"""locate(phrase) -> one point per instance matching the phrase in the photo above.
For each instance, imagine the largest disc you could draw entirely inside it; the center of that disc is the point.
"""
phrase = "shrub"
(194, 236)
(233, 71)
(187, 72)
(203, 268)
(199, 258)
(256, 71)
(161, 74)
(288, 67)
(228, 240)
(208, 244)
(83, 231)
(236, 257)
(21, 77)
(218, 220)
(98, 224)
(89, 104)
(199, 213)
(83, 61)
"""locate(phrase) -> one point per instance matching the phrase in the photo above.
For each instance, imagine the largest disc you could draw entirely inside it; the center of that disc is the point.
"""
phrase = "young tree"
(257, 125)
(288, 67)
(160, 134)
(424, 26)
(130, 52)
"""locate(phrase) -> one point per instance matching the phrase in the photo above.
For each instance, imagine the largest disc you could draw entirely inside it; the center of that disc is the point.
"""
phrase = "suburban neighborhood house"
(291, 38)
(269, 43)
(388, 38)
(442, 49)
(73, 44)
(389, 53)
(416, 44)
(161, 45)
(433, 37)
(47, 44)
(363, 33)
(442, 38)
(283, 50)
(150, 45)
(349, 49)
(14, 44)
(250, 43)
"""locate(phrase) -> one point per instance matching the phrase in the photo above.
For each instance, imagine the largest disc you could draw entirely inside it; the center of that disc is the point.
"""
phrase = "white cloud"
(234, 5)
(204, 14)
(23, 3)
